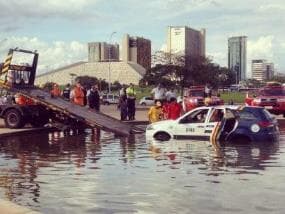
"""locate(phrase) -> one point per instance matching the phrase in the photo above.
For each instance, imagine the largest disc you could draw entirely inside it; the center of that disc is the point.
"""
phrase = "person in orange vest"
(55, 92)
(22, 100)
(77, 95)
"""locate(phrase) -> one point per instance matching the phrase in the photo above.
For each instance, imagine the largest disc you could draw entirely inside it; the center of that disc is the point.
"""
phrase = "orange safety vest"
(56, 91)
(22, 100)
(78, 96)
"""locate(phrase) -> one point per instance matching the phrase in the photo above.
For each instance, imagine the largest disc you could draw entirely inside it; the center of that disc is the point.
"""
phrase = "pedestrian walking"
(170, 94)
(208, 90)
(131, 101)
(158, 92)
(93, 98)
(123, 105)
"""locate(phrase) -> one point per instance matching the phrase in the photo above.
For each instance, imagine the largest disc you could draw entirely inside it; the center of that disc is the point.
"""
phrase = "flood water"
(53, 173)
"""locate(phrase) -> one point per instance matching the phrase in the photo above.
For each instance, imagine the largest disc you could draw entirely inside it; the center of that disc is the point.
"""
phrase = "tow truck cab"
(14, 75)
(194, 97)
(271, 97)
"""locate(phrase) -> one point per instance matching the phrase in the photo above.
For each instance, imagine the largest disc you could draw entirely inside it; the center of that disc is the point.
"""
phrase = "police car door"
(192, 125)
(215, 115)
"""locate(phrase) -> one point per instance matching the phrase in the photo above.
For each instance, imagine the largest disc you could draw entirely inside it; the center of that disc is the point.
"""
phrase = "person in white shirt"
(170, 94)
(158, 92)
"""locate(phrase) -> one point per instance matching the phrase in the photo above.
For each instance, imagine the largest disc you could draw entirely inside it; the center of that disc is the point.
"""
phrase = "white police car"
(197, 124)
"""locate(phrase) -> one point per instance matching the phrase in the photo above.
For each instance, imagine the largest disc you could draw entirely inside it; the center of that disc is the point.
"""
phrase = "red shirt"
(165, 111)
(174, 111)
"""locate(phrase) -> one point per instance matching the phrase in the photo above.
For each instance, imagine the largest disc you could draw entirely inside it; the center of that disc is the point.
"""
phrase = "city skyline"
(54, 28)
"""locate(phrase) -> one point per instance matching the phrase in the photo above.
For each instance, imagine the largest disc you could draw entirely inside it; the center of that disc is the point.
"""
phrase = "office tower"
(138, 50)
(237, 56)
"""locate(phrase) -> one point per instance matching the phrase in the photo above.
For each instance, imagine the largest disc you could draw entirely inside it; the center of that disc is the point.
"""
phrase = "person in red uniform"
(174, 109)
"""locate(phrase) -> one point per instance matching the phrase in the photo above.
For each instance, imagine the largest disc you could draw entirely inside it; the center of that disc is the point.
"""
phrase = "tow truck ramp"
(87, 116)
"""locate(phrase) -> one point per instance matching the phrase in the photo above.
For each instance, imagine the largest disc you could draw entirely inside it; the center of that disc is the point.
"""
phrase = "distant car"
(108, 99)
(271, 97)
(248, 124)
(146, 101)
(195, 97)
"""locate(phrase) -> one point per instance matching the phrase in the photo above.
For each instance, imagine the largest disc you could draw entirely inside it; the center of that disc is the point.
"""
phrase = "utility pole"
(109, 73)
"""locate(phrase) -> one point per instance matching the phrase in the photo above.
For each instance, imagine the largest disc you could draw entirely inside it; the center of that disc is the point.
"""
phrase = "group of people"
(79, 95)
(165, 106)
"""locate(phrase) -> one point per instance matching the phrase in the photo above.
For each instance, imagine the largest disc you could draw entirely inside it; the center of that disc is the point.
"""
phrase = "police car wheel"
(162, 136)
(14, 119)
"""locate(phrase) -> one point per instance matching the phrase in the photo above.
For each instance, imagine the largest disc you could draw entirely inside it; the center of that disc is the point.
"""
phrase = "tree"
(181, 71)
(88, 81)
(48, 86)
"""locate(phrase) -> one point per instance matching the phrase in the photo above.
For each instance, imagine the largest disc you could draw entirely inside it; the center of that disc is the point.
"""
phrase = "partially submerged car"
(237, 123)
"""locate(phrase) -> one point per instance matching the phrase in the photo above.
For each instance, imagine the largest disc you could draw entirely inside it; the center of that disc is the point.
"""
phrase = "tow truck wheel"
(14, 119)
(162, 136)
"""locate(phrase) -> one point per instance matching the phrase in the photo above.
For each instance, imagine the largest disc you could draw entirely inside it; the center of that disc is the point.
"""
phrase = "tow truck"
(195, 96)
(17, 79)
(271, 97)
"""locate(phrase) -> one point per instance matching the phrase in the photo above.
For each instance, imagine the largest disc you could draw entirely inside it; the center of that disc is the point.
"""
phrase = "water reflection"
(247, 157)
(99, 172)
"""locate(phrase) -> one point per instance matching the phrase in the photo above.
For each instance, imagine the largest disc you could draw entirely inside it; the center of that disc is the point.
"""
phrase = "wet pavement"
(87, 173)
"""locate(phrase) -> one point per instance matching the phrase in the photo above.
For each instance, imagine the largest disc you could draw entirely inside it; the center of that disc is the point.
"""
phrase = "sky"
(60, 30)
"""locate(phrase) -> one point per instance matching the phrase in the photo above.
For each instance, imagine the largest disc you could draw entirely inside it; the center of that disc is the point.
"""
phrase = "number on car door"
(192, 126)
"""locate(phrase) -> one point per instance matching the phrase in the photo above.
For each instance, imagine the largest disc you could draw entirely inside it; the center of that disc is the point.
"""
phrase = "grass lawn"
(236, 97)
(142, 92)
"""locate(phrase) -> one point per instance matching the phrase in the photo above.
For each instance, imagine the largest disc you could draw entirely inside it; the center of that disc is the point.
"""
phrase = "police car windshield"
(273, 92)
(196, 93)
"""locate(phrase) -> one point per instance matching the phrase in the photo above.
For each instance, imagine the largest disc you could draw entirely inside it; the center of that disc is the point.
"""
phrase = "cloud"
(261, 48)
(51, 55)
(14, 11)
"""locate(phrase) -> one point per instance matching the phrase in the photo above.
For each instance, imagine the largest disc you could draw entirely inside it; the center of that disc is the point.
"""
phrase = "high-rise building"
(237, 56)
(138, 50)
(262, 70)
(185, 41)
(102, 51)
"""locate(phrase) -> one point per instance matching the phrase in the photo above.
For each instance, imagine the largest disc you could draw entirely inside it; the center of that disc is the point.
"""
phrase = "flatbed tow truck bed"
(89, 117)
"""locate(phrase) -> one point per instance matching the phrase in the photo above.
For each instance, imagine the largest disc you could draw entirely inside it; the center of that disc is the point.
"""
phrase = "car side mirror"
(254, 95)
(218, 95)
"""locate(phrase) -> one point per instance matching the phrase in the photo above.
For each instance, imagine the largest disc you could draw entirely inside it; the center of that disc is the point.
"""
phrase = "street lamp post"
(109, 73)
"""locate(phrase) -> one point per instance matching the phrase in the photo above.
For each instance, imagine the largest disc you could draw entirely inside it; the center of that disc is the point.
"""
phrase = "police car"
(247, 123)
